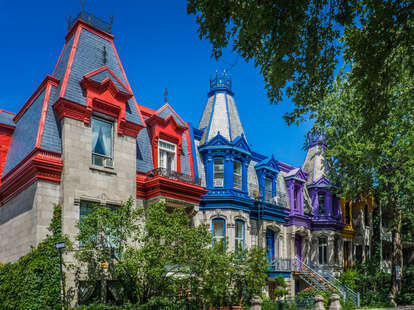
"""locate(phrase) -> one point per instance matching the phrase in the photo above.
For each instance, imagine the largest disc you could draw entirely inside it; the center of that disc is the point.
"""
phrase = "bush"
(33, 282)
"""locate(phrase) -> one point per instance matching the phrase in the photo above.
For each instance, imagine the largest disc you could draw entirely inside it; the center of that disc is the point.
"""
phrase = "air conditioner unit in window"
(108, 163)
(218, 182)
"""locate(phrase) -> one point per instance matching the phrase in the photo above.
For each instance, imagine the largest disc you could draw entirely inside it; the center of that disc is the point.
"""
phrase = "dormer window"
(218, 172)
(102, 142)
(237, 175)
(321, 203)
(167, 154)
(295, 198)
(268, 189)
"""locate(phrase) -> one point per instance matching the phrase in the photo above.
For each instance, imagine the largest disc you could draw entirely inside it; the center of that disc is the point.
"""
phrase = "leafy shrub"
(33, 282)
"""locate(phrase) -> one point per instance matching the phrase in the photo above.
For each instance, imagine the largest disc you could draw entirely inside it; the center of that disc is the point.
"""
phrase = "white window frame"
(234, 174)
(239, 240)
(215, 237)
(218, 181)
(167, 150)
(108, 161)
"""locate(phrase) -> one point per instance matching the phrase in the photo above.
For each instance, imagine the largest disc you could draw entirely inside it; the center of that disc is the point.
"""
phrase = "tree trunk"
(397, 255)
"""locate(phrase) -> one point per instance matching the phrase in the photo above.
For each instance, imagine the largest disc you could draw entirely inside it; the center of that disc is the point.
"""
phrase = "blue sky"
(159, 47)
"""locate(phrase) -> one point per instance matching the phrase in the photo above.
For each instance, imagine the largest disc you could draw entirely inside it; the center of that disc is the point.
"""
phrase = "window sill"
(102, 169)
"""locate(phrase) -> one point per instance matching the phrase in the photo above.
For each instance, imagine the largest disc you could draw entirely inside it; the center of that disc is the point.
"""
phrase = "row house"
(82, 138)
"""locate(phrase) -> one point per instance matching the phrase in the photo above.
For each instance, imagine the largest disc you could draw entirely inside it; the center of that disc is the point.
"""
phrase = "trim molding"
(38, 165)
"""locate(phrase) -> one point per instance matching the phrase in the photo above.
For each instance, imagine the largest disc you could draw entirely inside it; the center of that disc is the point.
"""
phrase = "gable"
(241, 143)
(166, 110)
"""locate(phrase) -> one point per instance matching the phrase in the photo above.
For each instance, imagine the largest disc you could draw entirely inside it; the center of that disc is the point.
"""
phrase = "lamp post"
(60, 246)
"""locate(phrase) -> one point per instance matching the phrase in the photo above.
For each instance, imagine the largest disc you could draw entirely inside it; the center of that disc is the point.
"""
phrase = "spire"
(220, 113)
(314, 164)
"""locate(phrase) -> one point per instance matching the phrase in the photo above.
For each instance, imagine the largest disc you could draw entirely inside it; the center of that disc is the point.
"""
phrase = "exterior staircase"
(324, 281)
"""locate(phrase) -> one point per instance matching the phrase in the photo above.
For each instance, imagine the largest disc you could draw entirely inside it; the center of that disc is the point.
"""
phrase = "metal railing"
(280, 199)
(175, 176)
(324, 279)
(280, 264)
(92, 20)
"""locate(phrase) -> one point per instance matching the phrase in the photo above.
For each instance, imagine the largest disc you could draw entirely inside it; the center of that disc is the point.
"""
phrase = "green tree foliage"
(377, 160)
(295, 45)
(33, 282)
(158, 253)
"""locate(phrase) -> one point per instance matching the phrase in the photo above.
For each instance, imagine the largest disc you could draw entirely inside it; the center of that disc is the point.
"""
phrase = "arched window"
(239, 235)
(366, 215)
(219, 230)
(323, 249)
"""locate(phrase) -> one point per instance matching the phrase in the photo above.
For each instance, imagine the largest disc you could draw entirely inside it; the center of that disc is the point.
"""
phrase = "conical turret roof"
(314, 164)
(220, 113)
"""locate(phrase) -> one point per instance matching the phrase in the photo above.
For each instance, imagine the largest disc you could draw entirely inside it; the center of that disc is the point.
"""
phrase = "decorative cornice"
(152, 186)
(38, 165)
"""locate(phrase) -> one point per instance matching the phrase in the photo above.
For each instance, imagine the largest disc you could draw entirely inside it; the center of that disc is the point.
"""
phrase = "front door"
(270, 245)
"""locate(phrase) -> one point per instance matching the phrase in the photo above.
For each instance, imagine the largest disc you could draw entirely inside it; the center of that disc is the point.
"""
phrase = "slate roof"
(144, 151)
(92, 52)
(51, 140)
(314, 164)
(6, 118)
(220, 115)
(25, 134)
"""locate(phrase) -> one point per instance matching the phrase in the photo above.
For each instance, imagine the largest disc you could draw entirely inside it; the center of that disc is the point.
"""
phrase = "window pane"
(218, 228)
(218, 172)
(321, 201)
(237, 174)
(167, 155)
(101, 137)
(239, 236)
(295, 198)
(268, 189)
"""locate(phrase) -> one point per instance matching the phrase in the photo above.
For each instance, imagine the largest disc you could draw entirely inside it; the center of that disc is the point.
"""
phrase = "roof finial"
(69, 21)
(166, 96)
(82, 5)
(111, 18)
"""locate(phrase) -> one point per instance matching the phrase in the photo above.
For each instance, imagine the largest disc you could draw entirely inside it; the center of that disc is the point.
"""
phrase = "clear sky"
(159, 48)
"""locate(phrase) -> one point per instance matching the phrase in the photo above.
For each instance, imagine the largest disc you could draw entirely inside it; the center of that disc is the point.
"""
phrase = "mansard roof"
(86, 50)
(6, 118)
(314, 164)
(297, 174)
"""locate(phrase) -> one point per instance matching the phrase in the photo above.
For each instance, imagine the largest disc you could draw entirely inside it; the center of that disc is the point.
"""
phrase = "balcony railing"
(280, 264)
(174, 175)
(280, 199)
(92, 20)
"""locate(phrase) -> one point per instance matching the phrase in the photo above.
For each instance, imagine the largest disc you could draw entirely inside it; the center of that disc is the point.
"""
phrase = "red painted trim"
(110, 71)
(175, 113)
(48, 79)
(129, 86)
(89, 27)
(103, 86)
(6, 129)
(190, 151)
(43, 116)
(66, 108)
(60, 56)
(1, 111)
(70, 62)
(38, 165)
(150, 187)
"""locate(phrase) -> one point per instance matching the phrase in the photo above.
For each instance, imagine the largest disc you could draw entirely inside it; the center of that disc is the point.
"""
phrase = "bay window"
(237, 175)
(219, 230)
(167, 156)
(218, 172)
(102, 142)
(239, 236)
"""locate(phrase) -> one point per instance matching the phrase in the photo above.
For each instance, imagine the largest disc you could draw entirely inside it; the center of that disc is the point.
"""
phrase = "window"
(366, 215)
(347, 214)
(102, 142)
(336, 250)
(239, 236)
(359, 254)
(167, 155)
(218, 172)
(268, 189)
(323, 249)
(237, 174)
(295, 198)
(321, 203)
(219, 230)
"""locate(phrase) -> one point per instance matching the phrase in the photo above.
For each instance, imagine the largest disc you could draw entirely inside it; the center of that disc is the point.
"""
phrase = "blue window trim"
(218, 219)
(243, 233)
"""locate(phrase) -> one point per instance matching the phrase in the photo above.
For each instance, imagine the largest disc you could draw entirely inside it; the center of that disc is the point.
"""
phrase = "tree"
(296, 44)
(376, 161)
